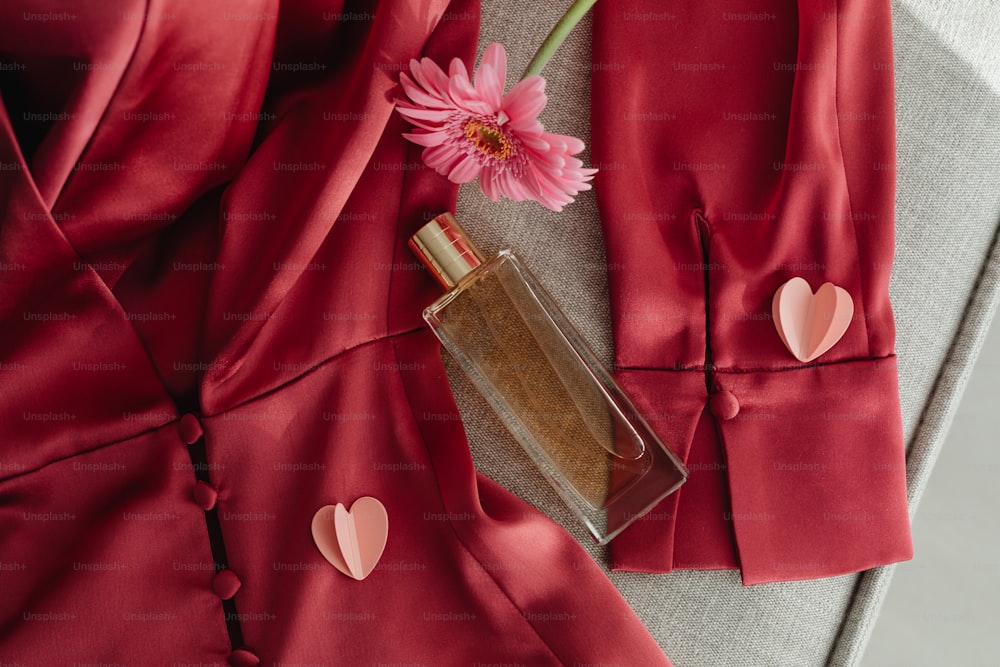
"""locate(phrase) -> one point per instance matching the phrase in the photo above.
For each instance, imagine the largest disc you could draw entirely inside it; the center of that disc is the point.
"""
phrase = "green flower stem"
(558, 35)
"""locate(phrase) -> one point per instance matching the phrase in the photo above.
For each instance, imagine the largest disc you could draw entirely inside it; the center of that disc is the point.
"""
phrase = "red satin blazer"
(211, 328)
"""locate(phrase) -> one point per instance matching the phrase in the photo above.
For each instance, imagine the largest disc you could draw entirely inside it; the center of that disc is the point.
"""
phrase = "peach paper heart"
(810, 324)
(353, 540)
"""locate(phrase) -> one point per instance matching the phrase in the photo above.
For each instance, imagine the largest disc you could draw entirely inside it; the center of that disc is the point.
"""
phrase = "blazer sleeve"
(757, 147)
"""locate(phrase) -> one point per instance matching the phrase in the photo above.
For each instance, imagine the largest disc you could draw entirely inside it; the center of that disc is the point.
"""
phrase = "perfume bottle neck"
(444, 248)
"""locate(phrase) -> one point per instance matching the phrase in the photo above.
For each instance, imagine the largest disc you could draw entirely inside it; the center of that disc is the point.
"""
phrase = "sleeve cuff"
(802, 474)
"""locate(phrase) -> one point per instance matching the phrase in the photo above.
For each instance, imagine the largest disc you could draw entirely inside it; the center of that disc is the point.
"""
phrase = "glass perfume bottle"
(547, 386)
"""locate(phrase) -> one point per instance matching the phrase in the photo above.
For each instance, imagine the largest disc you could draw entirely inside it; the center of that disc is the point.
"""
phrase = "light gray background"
(943, 607)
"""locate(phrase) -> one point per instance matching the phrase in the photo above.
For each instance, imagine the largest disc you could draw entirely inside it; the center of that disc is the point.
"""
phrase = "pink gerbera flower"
(473, 129)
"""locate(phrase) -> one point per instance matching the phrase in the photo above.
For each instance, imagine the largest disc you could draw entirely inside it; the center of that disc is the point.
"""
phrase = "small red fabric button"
(205, 495)
(189, 428)
(243, 658)
(226, 584)
(724, 405)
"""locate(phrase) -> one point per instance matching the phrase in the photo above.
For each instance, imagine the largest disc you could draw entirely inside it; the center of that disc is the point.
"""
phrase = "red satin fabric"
(757, 146)
(217, 227)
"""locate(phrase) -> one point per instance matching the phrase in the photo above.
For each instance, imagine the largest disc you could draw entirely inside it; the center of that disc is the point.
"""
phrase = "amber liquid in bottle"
(546, 385)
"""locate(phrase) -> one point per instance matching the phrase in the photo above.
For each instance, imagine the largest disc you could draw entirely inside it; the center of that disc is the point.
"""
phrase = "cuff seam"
(701, 368)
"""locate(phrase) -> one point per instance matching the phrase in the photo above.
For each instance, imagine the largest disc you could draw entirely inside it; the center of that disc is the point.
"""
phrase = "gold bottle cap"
(443, 246)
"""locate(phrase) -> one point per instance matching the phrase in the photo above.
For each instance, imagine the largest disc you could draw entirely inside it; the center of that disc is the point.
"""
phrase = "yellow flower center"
(489, 141)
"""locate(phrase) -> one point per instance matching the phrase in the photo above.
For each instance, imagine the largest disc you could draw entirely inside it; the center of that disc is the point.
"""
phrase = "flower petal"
(466, 170)
(430, 76)
(527, 126)
(433, 115)
(552, 160)
(526, 99)
(527, 183)
(509, 186)
(457, 70)
(568, 144)
(441, 158)
(550, 196)
(534, 141)
(489, 88)
(496, 57)
(418, 96)
(427, 119)
(427, 138)
(466, 97)
(488, 183)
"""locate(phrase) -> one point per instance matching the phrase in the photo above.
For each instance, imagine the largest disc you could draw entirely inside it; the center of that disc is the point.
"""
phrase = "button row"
(226, 583)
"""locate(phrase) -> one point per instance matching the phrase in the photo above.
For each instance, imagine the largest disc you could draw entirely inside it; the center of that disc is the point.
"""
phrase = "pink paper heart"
(353, 540)
(810, 324)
